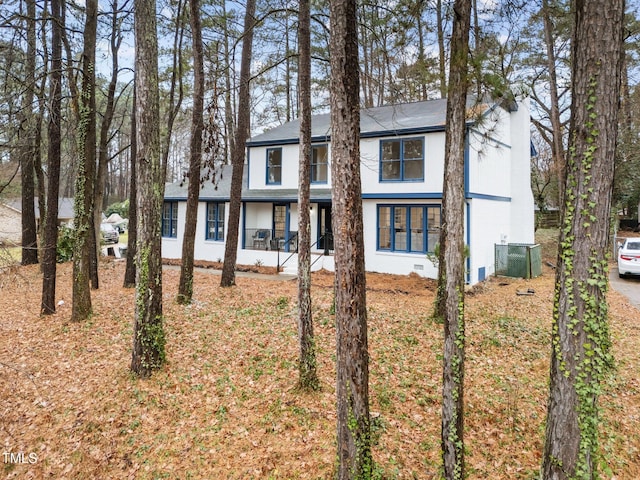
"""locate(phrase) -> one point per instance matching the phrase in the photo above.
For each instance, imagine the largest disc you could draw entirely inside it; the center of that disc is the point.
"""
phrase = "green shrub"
(121, 208)
(64, 250)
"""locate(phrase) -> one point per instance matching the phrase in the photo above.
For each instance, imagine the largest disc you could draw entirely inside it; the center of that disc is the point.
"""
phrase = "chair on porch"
(261, 239)
(277, 243)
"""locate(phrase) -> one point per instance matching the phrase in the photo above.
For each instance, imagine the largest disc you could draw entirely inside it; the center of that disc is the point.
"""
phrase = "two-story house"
(402, 159)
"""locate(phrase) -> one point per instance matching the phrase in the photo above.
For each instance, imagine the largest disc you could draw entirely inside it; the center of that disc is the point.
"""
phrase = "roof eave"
(374, 134)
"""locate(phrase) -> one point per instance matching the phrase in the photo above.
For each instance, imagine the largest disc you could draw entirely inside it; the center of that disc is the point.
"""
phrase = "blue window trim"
(287, 224)
(466, 162)
(243, 232)
(321, 205)
(403, 196)
(378, 247)
(311, 169)
(267, 169)
(217, 224)
(425, 227)
(170, 230)
(402, 161)
(468, 269)
(248, 167)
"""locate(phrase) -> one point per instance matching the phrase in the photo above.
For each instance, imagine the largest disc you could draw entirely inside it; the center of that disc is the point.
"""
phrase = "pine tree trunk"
(557, 149)
(450, 299)
(132, 241)
(176, 82)
(352, 365)
(228, 277)
(148, 333)
(307, 378)
(37, 159)
(29, 230)
(580, 335)
(424, 72)
(442, 72)
(228, 103)
(103, 142)
(185, 288)
(48, 304)
(29, 143)
(83, 200)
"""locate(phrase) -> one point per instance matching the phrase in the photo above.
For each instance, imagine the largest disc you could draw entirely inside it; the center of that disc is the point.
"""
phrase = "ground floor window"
(215, 221)
(170, 219)
(408, 228)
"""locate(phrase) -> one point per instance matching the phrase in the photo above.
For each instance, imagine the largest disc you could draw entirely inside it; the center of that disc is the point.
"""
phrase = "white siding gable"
(370, 152)
(257, 165)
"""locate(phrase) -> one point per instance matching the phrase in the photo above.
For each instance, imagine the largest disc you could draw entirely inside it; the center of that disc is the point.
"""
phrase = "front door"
(280, 233)
(325, 232)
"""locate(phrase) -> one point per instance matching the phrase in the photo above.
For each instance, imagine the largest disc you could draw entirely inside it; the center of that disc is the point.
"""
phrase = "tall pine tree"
(352, 357)
(580, 353)
(148, 333)
(450, 299)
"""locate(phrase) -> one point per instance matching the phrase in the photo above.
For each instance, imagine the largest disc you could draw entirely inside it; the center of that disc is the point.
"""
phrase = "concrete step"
(291, 268)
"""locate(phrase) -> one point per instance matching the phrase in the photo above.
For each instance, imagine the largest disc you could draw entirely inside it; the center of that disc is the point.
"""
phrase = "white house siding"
(10, 226)
(203, 249)
(499, 204)
(489, 223)
(522, 205)
(370, 161)
(433, 166)
(257, 168)
(293, 218)
(499, 184)
(258, 216)
(172, 246)
(496, 123)
(399, 263)
(489, 168)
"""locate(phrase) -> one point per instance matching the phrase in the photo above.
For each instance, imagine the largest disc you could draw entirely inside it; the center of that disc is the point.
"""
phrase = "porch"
(270, 239)
(268, 227)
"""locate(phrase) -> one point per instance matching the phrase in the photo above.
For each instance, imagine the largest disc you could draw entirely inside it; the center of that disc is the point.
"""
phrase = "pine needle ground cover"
(225, 405)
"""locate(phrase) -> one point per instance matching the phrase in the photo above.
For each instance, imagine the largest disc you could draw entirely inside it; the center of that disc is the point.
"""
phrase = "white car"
(108, 233)
(629, 257)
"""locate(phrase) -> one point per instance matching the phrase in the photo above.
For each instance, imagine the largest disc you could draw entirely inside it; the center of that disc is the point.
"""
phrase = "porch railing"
(268, 239)
(324, 243)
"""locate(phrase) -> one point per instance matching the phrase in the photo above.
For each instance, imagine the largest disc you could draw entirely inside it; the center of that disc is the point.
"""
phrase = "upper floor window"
(215, 221)
(319, 164)
(402, 160)
(274, 166)
(170, 219)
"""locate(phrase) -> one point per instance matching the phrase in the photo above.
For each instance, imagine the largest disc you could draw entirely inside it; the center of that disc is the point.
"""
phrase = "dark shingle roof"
(219, 190)
(222, 191)
(389, 119)
(284, 194)
(65, 207)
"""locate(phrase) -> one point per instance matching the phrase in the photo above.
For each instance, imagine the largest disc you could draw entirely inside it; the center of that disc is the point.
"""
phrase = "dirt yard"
(225, 405)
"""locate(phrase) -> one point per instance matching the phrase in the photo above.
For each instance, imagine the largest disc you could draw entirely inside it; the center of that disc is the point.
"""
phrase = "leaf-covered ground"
(225, 405)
